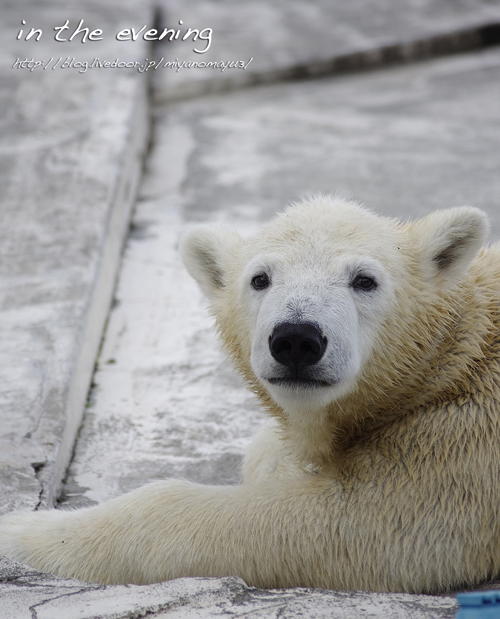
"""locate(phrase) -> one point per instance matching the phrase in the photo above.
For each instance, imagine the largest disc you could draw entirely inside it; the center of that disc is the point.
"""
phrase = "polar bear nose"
(295, 345)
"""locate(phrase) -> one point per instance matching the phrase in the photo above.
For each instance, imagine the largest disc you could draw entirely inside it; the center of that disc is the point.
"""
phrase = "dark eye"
(261, 281)
(364, 283)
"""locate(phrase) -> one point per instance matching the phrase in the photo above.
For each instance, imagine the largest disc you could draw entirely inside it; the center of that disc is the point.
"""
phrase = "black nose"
(295, 345)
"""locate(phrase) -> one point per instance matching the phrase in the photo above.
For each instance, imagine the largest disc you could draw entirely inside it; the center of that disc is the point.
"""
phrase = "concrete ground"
(392, 119)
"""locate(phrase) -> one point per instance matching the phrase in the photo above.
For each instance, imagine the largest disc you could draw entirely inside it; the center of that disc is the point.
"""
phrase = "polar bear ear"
(207, 252)
(449, 240)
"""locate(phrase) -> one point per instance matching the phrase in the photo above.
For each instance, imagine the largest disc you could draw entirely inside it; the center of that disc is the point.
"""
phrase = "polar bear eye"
(261, 281)
(364, 283)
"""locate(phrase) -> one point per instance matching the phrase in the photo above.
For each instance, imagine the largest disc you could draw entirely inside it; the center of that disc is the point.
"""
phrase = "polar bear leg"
(174, 529)
(279, 534)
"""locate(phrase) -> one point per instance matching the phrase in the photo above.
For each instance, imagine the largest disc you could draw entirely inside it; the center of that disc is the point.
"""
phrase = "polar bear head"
(329, 297)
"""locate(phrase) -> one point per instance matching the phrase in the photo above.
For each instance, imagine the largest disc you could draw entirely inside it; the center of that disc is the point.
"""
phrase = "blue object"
(479, 605)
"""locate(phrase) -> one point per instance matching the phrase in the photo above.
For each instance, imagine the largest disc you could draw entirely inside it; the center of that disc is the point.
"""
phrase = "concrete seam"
(455, 42)
(122, 202)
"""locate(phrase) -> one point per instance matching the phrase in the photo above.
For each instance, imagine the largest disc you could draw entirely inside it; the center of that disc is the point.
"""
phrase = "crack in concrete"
(37, 468)
(33, 608)
(132, 614)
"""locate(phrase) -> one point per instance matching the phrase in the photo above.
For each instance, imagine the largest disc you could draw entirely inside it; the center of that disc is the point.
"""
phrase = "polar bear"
(375, 347)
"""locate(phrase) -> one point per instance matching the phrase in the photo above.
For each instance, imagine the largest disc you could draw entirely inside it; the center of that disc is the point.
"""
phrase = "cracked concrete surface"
(71, 148)
(403, 140)
(32, 595)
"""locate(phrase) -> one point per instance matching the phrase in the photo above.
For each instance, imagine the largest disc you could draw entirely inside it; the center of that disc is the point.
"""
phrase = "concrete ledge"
(101, 291)
(71, 155)
(28, 594)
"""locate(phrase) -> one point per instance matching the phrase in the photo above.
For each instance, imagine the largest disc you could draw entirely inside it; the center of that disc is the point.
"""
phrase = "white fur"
(348, 319)
(323, 504)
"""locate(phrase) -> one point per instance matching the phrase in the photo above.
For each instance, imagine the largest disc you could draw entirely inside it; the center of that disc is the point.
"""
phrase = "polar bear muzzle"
(297, 346)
